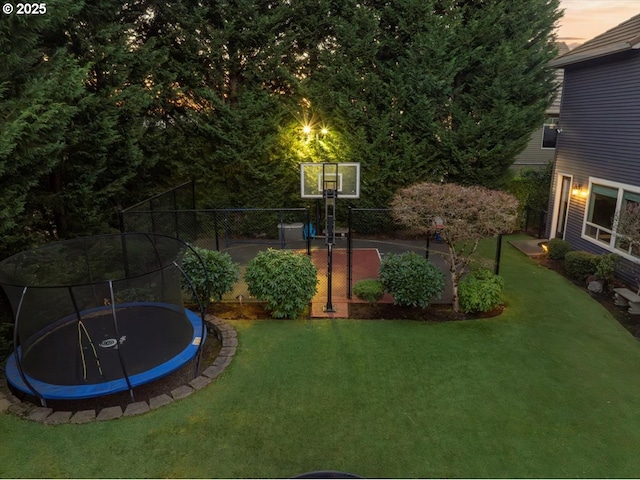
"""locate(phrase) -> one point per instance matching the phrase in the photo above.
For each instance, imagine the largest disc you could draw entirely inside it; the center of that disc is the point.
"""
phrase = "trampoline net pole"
(202, 307)
(115, 329)
(18, 361)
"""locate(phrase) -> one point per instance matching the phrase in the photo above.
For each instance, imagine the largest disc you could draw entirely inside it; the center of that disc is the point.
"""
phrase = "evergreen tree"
(39, 90)
(102, 103)
(438, 90)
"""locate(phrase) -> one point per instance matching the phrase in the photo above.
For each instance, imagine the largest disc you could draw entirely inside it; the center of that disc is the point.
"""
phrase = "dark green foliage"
(143, 294)
(212, 273)
(579, 264)
(75, 105)
(101, 103)
(411, 279)
(480, 291)
(286, 280)
(606, 265)
(444, 90)
(369, 289)
(558, 248)
(531, 188)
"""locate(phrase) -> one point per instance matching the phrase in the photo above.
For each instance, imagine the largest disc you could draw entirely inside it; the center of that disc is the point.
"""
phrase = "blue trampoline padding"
(76, 392)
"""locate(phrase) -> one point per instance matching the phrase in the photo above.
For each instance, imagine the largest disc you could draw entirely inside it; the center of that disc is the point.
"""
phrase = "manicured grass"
(548, 389)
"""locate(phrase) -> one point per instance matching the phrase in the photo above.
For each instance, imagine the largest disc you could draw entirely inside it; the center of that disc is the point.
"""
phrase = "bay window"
(606, 202)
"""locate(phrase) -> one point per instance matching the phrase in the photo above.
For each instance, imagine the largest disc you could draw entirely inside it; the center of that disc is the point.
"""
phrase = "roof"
(624, 37)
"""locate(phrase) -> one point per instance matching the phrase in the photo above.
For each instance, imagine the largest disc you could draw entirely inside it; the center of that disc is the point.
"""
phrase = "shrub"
(287, 281)
(222, 273)
(370, 290)
(606, 265)
(579, 264)
(558, 248)
(480, 291)
(411, 279)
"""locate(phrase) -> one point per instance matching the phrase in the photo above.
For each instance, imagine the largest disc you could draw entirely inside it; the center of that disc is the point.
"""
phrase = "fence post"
(541, 224)
(349, 249)
(426, 253)
(121, 220)
(176, 220)
(498, 255)
(308, 232)
(215, 228)
(153, 217)
(283, 241)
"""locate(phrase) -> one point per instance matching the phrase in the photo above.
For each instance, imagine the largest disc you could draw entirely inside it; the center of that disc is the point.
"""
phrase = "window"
(606, 202)
(549, 134)
(601, 212)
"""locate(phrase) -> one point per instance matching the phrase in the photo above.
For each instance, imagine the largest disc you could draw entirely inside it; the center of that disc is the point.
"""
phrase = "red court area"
(365, 263)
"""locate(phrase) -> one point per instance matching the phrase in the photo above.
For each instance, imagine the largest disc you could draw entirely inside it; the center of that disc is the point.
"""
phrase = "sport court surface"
(365, 264)
(366, 257)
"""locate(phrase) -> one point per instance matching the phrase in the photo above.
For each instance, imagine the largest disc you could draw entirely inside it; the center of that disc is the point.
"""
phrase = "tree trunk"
(455, 278)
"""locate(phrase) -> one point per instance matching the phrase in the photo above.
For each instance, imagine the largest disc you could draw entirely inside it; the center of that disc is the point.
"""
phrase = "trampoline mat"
(148, 336)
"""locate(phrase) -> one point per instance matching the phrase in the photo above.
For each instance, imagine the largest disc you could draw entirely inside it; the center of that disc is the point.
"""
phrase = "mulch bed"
(359, 311)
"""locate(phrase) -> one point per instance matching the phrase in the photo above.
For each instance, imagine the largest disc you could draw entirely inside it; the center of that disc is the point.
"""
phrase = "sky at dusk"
(585, 19)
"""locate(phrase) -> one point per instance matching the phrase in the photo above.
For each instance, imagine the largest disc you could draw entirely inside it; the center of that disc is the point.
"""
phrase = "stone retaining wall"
(223, 332)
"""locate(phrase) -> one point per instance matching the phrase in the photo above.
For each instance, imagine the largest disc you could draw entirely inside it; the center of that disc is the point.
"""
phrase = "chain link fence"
(369, 236)
(534, 221)
(241, 233)
(181, 197)
(375, 230)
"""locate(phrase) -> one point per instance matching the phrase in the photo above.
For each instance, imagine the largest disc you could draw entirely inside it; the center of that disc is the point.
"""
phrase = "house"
(597, 164)
(541, 147)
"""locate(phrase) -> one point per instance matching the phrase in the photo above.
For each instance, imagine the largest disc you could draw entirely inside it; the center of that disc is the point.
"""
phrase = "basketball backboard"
(343, 177)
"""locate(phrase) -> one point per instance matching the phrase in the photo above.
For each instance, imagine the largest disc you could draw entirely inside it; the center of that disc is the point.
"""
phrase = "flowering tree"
(460, 215)
(628, 225)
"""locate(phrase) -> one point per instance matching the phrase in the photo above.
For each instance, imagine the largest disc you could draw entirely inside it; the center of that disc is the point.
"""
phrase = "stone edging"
(224, 332)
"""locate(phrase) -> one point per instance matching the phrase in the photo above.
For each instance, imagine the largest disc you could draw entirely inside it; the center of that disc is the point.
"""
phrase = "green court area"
(550, 388)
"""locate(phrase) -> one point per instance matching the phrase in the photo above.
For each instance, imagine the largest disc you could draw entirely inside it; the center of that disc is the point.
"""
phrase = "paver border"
(224, 332)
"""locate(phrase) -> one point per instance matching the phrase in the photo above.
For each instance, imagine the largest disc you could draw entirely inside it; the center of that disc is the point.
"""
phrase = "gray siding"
(600, 122)
(534, 155)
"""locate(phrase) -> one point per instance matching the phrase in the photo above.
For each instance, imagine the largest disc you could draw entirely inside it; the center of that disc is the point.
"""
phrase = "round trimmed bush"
(220, 277)
(370, 290)
(580, 264)
(558, 248)
(606, 265)
(480, 291)
(411, 279)
(287, 281)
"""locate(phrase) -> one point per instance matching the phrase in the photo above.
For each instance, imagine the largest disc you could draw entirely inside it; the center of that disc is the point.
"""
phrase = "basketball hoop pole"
(328, 181)
(330, 193)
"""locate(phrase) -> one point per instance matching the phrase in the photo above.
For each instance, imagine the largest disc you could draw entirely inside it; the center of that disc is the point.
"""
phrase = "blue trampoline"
(99, 315)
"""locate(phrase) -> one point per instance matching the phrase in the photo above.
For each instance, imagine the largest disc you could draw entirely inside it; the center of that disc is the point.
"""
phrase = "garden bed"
(357, 311)
(630, 322)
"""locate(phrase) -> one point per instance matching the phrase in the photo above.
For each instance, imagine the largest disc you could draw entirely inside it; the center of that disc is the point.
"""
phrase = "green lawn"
(549, 389)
